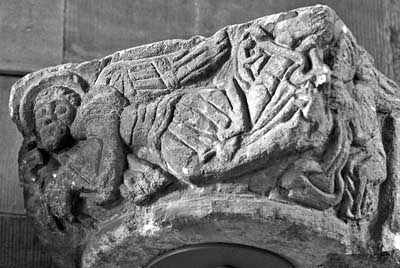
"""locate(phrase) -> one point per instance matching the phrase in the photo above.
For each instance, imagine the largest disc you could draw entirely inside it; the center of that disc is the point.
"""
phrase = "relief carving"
(286, 108)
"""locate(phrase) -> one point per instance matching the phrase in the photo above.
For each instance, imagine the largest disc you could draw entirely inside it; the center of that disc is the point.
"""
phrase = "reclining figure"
(288, 105)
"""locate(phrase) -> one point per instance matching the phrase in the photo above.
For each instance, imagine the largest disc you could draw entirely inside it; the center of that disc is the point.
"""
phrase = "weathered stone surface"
(278, 133)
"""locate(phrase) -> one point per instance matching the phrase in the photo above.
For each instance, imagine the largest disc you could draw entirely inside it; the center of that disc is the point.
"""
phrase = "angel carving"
(254, 99)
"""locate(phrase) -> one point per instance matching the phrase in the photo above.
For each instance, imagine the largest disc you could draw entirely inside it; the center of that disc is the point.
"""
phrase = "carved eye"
(61, 110)
(47, 122)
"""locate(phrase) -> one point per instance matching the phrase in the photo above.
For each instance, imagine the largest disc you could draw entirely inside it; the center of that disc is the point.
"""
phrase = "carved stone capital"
(278, 134)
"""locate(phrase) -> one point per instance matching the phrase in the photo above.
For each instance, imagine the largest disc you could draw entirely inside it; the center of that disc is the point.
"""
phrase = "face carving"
(53, 118)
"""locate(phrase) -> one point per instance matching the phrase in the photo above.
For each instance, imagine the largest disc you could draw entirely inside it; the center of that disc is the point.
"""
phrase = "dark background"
(39, 33)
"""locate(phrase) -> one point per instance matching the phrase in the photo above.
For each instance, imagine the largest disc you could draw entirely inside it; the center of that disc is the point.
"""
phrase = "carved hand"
(29, 160)
(141, 181)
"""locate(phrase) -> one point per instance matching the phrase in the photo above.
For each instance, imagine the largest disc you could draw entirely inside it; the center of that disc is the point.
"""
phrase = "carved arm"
(98, 123)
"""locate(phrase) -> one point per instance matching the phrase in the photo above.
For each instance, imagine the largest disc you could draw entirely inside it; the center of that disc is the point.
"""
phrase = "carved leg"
(319, 185)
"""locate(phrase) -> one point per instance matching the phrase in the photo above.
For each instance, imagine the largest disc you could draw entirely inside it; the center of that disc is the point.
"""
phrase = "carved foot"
(298, 182)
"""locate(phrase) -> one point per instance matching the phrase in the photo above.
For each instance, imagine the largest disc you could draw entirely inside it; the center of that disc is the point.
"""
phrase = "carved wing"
(150, 77)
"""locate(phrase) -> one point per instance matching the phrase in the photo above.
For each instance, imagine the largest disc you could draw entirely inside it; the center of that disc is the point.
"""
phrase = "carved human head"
(54, 111)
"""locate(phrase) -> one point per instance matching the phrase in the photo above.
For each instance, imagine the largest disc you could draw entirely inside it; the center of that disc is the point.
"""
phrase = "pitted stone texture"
(277, 133)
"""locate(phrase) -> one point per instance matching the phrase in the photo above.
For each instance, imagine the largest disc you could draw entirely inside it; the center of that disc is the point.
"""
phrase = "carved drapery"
(285, 108)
